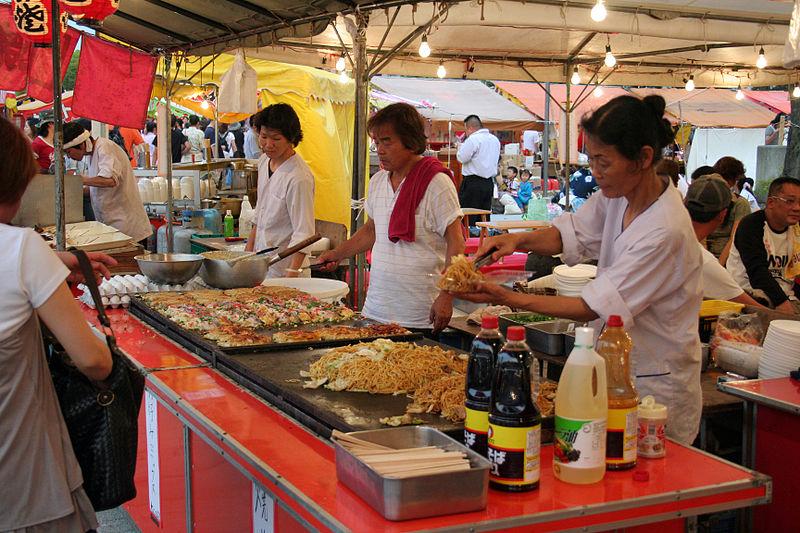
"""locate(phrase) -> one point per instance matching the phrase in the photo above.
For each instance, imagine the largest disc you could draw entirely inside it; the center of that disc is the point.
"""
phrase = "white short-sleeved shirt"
(29, 275)
(479, 154)
(651, 275)
(402, 284)
(285, 210)
(718, 283)
(119, 206)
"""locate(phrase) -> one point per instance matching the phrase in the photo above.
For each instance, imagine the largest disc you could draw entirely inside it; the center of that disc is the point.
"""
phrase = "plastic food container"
(652, 440)
(709, 313)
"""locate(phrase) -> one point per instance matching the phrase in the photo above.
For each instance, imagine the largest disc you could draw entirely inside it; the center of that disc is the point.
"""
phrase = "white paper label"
(263, 510)
(153, 476)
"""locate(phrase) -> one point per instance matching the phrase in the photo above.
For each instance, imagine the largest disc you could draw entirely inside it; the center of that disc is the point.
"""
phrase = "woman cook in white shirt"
(649, 267)
(285, 208)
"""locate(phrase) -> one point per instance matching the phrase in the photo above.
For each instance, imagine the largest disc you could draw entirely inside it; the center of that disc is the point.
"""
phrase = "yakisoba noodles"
(382, 367)
(460, 276)
(444, 395)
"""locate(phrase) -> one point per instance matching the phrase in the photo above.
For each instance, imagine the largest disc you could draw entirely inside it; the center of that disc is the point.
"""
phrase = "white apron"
(285, 209)
(650, 275)
(119, 207)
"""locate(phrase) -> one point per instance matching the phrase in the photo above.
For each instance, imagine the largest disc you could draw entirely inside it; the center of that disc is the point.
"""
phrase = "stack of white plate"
(781, 349)
(569, 281)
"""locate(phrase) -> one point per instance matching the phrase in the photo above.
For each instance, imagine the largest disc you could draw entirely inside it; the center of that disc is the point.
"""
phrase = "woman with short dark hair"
(649, 267)
(41, 486)
(285, 208)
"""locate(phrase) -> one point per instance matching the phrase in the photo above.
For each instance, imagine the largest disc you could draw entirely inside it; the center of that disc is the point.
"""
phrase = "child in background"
(525, 191)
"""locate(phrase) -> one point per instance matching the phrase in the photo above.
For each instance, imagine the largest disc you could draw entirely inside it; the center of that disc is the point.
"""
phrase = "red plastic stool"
(509, 262)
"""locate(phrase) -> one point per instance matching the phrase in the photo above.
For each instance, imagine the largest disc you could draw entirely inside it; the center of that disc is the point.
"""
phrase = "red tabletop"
(780, 393)
(148, 347)
(302, 466)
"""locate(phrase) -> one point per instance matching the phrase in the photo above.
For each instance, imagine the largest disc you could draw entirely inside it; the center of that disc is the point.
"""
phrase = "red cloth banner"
(14, 51)
(113, 84)
(40, 66)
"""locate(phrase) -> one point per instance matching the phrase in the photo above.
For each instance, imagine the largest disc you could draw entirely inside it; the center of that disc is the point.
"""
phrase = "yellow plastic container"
(711, 308)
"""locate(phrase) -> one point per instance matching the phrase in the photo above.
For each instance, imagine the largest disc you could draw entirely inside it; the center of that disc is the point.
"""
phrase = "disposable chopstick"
(428, 471)
(344, 437)
(412, 457)
(400, 450)
(416, 466)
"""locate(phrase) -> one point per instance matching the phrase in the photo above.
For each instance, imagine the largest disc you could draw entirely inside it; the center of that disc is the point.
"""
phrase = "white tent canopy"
(454, 100)
(657, 43)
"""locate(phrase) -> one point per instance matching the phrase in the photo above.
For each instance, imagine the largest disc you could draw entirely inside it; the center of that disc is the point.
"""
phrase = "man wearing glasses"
(765, 257)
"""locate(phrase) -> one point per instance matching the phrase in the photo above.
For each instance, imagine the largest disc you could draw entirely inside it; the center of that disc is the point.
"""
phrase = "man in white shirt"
(707, 200)
(414, 226)
(112, 186)
(479, 155)
(197, 139)
(251, 148)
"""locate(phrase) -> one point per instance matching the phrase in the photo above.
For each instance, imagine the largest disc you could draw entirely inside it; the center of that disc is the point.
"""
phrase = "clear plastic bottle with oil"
(581, 409)
(614, 345)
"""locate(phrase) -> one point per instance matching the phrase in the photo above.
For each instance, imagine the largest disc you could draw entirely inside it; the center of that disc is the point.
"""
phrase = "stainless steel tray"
(548, 337)
(415, 497)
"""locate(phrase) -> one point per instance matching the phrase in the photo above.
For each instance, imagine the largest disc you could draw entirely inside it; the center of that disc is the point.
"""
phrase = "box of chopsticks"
(411, 471)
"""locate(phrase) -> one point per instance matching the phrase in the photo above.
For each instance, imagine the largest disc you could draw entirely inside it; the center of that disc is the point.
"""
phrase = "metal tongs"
(483, 260)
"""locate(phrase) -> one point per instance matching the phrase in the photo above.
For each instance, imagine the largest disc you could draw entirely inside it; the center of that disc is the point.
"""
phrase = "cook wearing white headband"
(112, 186)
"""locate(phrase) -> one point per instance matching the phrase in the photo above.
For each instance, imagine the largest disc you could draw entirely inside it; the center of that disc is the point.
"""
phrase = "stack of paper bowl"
(781, 349)
(571, 280)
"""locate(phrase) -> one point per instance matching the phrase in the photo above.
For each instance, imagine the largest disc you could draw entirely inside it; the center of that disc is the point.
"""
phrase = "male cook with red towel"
(414, 226)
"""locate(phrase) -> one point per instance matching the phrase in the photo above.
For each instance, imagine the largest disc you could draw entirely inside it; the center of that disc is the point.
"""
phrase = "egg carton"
(117, 291)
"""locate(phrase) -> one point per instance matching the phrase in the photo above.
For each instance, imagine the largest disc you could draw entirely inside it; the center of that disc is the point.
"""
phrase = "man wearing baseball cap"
(708, 201)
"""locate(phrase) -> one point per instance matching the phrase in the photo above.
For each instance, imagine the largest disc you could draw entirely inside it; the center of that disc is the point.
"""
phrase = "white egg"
(126, 300)
(105, 300)
(114, 300)
(141, 277)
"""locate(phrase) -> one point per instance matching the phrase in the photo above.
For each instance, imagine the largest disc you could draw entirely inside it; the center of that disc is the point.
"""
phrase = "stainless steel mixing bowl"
(246, 273)
(173, 269)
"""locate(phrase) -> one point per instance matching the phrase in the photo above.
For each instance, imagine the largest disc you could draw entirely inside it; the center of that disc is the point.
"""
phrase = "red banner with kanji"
(113, 84)
(14, 50)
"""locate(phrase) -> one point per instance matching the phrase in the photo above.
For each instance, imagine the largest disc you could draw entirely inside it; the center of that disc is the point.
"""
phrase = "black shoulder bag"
(101, 416)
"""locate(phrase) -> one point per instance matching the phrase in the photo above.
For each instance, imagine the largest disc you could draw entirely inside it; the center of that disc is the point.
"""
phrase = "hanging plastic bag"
(238, 91)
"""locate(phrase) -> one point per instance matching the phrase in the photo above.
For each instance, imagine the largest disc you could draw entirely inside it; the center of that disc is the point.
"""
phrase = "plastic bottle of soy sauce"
(480, 371)
(514, 421)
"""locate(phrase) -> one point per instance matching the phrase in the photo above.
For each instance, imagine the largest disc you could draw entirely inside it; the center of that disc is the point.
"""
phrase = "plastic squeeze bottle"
(480, 371)
(581, 409)
(515, 424)
(228, 224)
(246, 218)
(614, 345)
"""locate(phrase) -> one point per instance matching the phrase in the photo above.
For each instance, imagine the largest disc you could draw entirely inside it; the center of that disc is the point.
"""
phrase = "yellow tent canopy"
(324, 104)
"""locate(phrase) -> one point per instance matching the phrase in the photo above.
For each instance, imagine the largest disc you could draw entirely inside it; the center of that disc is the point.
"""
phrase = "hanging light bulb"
(761, 62)
(424, 47)
(599, 12)
(796, 91)
(598, 92)
(576, 77)
(610, 60)
(204, 104)
(343, 77)
(441, 71)
(690, 83)
(739, 93)
(340, 65)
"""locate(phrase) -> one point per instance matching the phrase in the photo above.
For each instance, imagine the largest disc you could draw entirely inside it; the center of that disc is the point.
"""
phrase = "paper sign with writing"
(263, 510)
(153, 476)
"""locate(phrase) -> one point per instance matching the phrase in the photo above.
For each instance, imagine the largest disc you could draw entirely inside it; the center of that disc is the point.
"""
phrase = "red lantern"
(90, 12)
(34, 20)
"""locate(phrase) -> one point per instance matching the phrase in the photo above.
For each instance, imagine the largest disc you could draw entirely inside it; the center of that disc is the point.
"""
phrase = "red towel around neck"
(401, 223)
